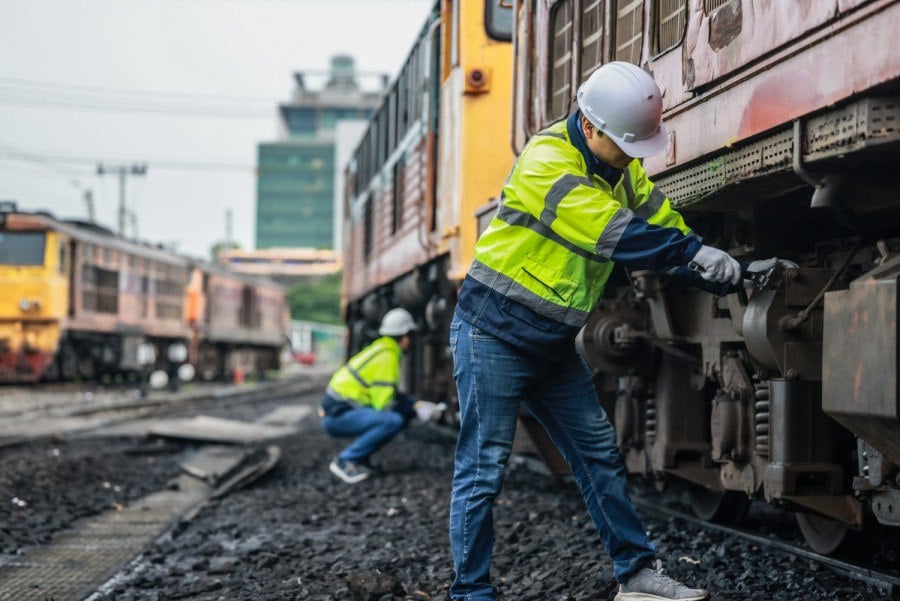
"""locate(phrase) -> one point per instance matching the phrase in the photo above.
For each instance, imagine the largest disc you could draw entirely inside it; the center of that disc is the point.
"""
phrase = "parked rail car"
(240, 322)
(784, 140)
(80, 302)
(436, 149)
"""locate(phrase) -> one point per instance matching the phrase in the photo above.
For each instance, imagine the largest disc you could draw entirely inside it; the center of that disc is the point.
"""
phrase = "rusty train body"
(784, 135)
(79, 302)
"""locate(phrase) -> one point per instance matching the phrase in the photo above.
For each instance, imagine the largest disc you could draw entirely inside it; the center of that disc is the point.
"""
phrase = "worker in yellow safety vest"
(362, 399)
(576, 203)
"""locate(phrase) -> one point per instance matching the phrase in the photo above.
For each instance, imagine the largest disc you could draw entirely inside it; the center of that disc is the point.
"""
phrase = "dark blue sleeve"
(403, 404)
(646, 246)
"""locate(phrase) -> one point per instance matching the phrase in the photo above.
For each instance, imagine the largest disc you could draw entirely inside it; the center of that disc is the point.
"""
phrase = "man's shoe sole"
(333, 467)
(650, 597)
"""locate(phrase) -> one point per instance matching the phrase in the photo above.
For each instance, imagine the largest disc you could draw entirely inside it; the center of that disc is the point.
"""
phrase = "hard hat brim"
(647, 147)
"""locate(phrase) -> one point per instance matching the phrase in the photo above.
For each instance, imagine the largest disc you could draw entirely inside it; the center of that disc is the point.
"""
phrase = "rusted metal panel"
(860, 385)
(744, 30)
(860, 338)
(825, 67)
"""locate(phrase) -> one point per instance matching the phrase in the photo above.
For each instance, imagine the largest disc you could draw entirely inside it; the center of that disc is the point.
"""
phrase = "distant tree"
(219, 246)
(317, 300)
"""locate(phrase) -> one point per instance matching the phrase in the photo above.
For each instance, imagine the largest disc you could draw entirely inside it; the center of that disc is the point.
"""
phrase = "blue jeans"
(493, 377)
(373, 428)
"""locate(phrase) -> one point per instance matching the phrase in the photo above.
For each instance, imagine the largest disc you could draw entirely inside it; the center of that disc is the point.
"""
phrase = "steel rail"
(886, 582)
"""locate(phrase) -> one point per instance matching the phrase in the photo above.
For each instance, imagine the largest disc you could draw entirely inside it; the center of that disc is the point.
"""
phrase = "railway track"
(886, 582)
(66, 409)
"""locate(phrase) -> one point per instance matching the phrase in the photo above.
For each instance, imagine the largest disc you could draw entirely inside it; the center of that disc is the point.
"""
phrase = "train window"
(22, 248)
(392, 121)
(629, 30)
(498, 19)
(591, 37)
(710, 6)
(62, 267)
(399, 193)
(561, 59)
(670, 22)
(367, 227)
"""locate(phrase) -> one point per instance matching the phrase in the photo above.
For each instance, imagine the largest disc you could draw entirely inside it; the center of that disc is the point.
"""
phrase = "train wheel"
(68, 362)
(730, 507)
(822, 534)
(209, 363)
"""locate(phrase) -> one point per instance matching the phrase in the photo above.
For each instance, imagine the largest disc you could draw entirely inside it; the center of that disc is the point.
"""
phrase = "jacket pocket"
(552, 284)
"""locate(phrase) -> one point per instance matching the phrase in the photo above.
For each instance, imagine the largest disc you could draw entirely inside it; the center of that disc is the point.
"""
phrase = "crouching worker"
(362, 400)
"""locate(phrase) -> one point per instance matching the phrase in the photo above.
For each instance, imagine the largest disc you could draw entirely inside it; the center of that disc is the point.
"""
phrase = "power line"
(198, 111)
(142, 93)
(177, 164)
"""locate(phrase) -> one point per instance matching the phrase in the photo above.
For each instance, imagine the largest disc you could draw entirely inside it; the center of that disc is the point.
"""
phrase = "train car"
(79, 302)
(240, 322)
(783, 141)
(410, 234)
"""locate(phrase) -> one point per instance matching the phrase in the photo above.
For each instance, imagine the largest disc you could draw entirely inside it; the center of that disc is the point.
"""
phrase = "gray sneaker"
(349, 472)
(651, 584)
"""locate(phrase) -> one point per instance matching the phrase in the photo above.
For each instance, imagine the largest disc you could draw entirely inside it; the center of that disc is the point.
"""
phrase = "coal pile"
(46, 486)
(300, 534)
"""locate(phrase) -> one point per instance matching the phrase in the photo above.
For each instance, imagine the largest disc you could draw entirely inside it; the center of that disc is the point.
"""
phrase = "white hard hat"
(622, 101)
(397, 322)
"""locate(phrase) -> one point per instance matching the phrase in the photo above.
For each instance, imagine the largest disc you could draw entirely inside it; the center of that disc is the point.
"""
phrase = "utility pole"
(123, 171)
(89, 201)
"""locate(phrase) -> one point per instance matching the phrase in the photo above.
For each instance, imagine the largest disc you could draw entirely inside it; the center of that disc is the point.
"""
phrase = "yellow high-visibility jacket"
(370, 377)
(565, 218)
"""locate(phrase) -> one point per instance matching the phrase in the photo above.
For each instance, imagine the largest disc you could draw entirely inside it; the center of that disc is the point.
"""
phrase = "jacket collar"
(595, 166)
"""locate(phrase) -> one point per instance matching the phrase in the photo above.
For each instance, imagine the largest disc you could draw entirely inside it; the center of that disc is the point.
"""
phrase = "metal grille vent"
(561, 60)
(770, 154)
(863, 124)
(670, 23)
(591, 37)
(869, 121)
(629, 30)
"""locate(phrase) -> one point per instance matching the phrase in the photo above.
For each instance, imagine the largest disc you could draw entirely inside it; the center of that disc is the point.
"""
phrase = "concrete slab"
(217, 429)
(286, 415)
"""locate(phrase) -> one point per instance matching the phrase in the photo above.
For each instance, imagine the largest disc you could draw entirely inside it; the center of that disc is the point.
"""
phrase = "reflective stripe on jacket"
(370, 377)
(565, 218)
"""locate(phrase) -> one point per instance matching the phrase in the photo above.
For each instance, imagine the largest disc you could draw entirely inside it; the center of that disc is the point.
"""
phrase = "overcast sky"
(188, 87)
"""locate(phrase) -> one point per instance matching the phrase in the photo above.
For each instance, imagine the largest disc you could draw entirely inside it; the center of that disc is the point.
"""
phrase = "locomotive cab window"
(498, 20)
(669, 24)
(22, 248)
(561, 60)
(591, 37)
(710, 6)
(629, 30)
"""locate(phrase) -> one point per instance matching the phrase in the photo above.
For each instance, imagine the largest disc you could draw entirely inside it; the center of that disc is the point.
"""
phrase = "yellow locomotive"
(436, 150)
(79, 302)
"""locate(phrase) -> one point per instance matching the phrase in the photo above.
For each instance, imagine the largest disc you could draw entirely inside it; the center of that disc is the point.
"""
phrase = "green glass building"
(296, 175)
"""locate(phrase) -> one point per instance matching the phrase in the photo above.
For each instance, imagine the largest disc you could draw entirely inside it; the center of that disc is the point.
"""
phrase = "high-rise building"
(295, 184)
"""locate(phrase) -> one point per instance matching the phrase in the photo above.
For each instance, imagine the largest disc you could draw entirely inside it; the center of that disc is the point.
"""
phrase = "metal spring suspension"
(650, 423)
(761, 416)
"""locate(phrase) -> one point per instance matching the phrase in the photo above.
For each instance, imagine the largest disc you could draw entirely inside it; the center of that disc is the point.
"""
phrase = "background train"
(784, 121)
(79, 302)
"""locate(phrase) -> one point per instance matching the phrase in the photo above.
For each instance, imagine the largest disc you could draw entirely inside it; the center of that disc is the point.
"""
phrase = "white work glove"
(767, 264)
(716, 265)
(426, 410)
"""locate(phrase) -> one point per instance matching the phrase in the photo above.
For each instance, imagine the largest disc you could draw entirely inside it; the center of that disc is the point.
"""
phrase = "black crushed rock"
(299, 533)
(46, 486)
